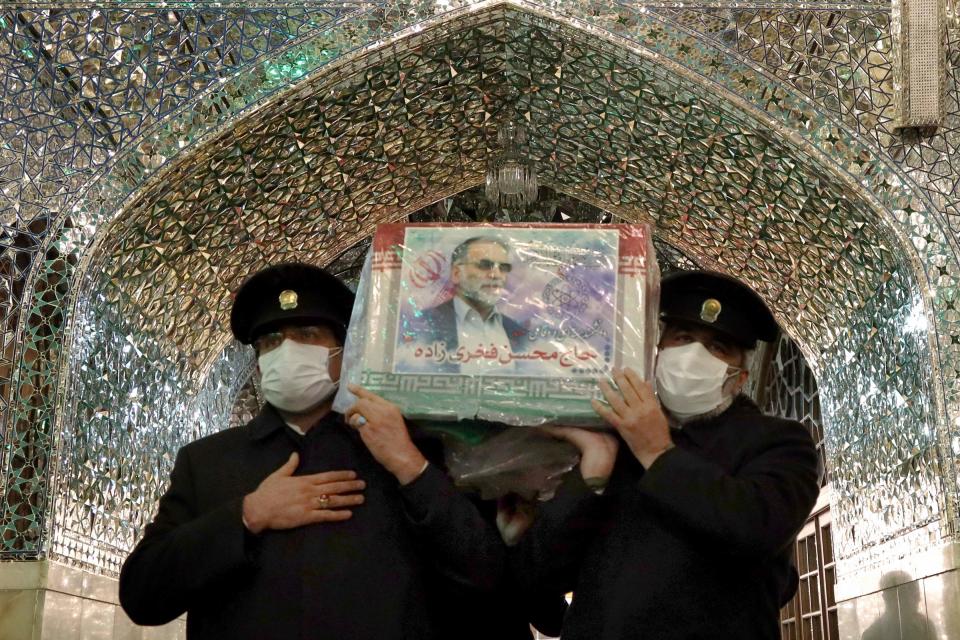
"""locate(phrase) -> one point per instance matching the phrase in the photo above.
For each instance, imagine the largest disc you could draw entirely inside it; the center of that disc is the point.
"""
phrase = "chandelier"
(511, 176)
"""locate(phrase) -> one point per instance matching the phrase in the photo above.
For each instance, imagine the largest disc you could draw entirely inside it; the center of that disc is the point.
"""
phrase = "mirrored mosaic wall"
(84, 90)
(313, 168)
(785, 386)
(884, 473)
(778, 171)
(133, 406)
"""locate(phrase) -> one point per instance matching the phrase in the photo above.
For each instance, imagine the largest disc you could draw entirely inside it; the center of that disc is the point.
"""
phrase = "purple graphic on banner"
(510, 301)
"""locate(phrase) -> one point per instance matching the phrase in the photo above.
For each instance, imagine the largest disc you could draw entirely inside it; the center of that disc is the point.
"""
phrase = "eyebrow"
(691, 328)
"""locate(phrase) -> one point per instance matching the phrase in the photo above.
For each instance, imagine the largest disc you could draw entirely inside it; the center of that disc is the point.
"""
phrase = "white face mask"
(295, 377)
(691, 380)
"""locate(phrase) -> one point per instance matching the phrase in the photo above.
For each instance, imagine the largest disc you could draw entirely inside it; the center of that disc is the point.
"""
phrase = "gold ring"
(323, 501)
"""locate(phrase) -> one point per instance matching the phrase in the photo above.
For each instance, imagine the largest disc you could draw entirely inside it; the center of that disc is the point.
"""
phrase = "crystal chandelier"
(511, 176)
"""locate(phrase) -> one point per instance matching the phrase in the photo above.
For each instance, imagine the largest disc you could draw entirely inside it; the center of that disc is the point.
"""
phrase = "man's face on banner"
(482, 275)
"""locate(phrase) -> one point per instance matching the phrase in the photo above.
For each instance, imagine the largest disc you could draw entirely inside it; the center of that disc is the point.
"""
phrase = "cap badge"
(288, 300)
(710, 310)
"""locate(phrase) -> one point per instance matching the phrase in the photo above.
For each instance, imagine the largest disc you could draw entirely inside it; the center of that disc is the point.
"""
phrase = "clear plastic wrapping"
(516, 329)
(508, 460)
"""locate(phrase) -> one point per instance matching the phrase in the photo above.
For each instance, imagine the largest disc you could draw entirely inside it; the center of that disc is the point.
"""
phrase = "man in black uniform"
(302, 524)
(693, 534)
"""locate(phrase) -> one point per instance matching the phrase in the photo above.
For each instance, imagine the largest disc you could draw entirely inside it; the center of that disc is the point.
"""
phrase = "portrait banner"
(512, 323)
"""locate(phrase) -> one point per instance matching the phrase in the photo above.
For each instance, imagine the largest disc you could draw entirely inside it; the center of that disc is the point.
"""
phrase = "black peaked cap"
(290, 293)
(718, 302)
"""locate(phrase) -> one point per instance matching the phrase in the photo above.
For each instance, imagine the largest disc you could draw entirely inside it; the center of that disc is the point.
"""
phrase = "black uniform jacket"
(697, 547)
(409, 564)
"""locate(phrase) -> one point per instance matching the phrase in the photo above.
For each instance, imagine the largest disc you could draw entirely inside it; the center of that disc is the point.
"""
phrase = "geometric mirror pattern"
(786, 387)
(151, 159)
(80, 88)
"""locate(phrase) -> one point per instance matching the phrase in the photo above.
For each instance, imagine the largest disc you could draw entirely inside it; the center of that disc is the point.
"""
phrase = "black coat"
(698, 546)
(414, 562)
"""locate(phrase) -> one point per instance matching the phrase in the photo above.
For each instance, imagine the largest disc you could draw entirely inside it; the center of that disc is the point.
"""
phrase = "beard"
(486, 296)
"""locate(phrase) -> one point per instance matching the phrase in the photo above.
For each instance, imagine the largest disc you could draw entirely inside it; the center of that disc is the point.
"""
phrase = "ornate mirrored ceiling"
(313, 169)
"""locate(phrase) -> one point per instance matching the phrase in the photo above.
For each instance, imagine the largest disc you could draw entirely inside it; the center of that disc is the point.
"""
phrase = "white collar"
(462, 308)
(296, 429)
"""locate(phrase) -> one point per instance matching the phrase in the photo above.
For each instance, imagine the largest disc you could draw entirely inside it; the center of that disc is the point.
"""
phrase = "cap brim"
(740, 341)
(268, 324)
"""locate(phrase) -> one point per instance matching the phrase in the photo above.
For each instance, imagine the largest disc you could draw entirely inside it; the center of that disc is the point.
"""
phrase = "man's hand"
(635, 413)
(286, 501)
(514, 517)
(384, 432)
(598, 451)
